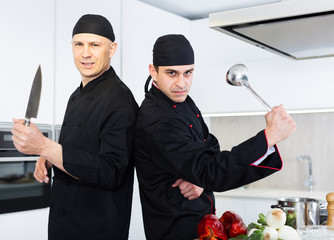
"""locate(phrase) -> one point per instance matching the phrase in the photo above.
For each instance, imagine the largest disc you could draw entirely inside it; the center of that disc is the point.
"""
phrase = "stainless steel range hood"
(298, 29)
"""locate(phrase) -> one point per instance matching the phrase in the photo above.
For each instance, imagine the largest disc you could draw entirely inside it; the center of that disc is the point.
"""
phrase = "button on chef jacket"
(171, 142)
(96, 137)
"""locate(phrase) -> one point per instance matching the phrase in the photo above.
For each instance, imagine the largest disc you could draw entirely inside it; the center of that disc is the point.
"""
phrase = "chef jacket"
(96, 138)
(171, 142)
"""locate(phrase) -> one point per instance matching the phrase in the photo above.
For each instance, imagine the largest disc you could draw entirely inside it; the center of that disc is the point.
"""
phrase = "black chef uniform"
(172, 141)
(96, 137)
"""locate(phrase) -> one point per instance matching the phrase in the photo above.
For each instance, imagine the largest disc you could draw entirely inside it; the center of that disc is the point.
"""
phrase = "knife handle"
(27, 122)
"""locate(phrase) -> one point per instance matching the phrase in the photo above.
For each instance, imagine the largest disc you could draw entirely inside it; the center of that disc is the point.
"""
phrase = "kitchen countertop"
(270, 194)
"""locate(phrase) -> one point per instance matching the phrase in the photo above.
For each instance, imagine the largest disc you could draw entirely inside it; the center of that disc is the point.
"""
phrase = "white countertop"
(271, 194)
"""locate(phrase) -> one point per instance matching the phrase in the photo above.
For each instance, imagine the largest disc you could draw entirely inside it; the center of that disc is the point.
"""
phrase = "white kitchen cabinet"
(255, 206)
(304, 84)
(248, 208)
(136, 231)
(224, 204)
(27, 225)
(27, 41)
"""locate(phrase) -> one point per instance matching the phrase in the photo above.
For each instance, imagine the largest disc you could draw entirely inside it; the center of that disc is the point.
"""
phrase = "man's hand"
(280, 125)
(27, 140)
(41, 170)
(188, 190)
(30, 140)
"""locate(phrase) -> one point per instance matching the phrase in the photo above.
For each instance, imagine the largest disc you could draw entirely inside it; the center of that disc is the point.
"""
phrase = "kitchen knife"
(35, 95)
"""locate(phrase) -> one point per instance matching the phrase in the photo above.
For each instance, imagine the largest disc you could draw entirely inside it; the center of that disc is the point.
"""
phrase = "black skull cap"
(172, 50)
(95, 24)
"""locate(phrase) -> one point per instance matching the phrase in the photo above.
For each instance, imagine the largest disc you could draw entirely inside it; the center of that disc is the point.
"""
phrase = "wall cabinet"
(27, 41)
(304, 84)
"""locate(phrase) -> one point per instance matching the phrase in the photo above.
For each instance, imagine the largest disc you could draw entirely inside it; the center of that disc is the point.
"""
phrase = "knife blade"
(34, 98)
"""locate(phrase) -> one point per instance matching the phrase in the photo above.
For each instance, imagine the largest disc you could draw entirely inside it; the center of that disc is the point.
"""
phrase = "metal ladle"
(237, 75)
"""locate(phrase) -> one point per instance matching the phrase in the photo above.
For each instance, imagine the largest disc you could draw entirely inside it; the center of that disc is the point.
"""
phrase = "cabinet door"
(255, 206)
(136, 225)
(248, 208)
(27, 37)
(224, 204)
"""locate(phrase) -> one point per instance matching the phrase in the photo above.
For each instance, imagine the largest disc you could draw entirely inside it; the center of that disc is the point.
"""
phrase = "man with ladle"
(174, 150)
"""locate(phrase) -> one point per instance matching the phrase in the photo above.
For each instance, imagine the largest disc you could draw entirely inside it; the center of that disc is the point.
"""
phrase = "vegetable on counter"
(231, 227)
(270, 233)
(273, 226)
(291, 217)
(276, 218)
(262, 219)
(287, 233)
(210, 228)
(254, 235)
(233, 224)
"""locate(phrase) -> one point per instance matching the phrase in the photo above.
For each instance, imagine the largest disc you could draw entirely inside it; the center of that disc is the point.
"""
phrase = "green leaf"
(256, 235)
(241, 236)
(262, 219)
(253, 225)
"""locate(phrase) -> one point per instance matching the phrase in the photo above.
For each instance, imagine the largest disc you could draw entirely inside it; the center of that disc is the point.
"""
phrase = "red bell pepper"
(233, 224)
(210, 228)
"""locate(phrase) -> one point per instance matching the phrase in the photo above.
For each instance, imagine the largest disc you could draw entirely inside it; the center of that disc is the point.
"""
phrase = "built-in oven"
(19, 190)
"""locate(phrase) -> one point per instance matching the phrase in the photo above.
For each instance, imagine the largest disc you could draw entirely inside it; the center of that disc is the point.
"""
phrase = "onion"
(270, 233)
(276, 218)
(288, 233)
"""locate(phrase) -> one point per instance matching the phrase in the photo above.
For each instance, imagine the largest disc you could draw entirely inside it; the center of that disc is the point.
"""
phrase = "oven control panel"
(8, 152)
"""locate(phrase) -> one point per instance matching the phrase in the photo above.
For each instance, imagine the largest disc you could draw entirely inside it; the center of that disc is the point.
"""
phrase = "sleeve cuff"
(260, 160)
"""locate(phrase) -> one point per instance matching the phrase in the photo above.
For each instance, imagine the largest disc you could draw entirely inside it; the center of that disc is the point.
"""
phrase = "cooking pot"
(300, 211)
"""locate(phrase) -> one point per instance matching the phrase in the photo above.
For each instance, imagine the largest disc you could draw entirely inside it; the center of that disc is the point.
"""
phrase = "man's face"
(174, 81)
(92, 55)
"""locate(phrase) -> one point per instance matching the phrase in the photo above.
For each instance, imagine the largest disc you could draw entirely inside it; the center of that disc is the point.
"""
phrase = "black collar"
(89, 86)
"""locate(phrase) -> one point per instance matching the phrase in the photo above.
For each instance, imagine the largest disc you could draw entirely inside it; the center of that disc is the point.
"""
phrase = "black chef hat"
(95, 24)
(172, 50)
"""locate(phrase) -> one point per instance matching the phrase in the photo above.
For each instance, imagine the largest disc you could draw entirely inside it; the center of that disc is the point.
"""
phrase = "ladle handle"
(258, 97)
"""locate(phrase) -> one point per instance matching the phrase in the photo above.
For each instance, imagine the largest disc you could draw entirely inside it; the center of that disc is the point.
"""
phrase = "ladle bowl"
(237, 75)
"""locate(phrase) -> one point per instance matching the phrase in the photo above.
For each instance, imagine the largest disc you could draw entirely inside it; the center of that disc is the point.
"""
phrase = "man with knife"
(93, 171)
(173, 146)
